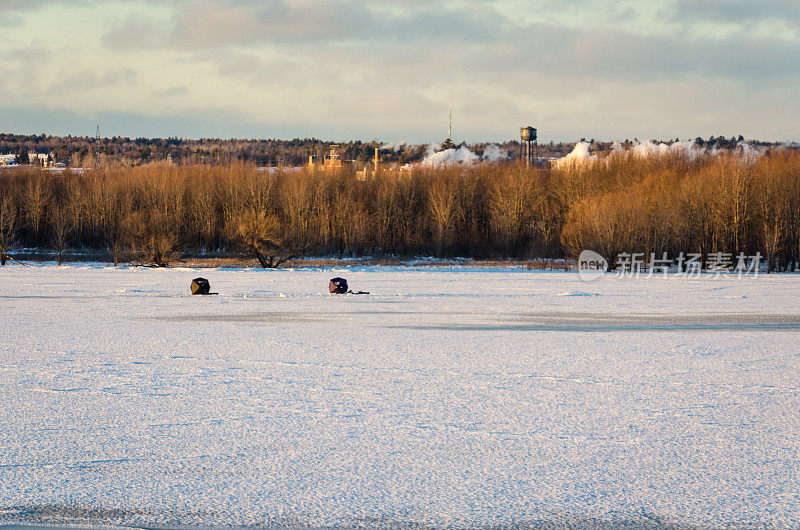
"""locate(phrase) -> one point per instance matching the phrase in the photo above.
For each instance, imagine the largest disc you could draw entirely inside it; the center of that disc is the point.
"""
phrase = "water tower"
(529, 146)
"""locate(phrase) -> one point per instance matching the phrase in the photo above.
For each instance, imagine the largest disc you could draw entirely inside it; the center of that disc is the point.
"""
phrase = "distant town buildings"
(39, 159)
(34, 159)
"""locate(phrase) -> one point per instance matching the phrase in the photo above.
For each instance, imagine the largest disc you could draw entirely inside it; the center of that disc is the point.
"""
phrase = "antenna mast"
(97, 146)
(450, 129)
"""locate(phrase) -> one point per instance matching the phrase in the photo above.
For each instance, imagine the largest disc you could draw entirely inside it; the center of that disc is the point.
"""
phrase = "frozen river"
(447, 397)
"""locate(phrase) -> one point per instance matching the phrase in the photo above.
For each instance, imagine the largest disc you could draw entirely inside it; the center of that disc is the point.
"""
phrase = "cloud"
(393, 103)
(478, 42)
(208, 122)
(133, 34)
(381, 67)
(617, 55)
(199, 24)
(170, 92)
(733, 11)
(229, 22)
(20, 5)
(17, 77)
(26, 6)
(88, 80)
(448, 42)
(27, 55)
(9, 20)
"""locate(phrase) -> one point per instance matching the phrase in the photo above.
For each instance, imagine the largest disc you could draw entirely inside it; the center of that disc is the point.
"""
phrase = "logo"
(591, 265)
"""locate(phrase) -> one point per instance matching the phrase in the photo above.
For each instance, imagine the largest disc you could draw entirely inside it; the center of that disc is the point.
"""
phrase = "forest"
(158, 213)
(86, 152)
(118, 151)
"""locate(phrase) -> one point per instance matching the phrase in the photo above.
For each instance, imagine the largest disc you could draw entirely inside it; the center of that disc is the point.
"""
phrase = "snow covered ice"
(447, 397)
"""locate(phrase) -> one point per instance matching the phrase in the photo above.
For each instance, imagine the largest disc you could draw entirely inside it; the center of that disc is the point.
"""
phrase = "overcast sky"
(392, 69)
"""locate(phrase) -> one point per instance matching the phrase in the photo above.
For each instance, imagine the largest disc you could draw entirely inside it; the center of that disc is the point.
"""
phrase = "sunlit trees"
(441, 201)
(262, 237)
(35, 197)
(669, 203)
(61, 227)
(153, 236)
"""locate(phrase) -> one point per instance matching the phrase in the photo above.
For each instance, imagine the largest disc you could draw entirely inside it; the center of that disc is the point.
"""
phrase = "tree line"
(86, 152)
(119, 151)
(623, 203)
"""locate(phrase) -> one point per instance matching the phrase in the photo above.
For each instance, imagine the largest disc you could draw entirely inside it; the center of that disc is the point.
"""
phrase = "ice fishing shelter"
(200, 286)
(338, 286)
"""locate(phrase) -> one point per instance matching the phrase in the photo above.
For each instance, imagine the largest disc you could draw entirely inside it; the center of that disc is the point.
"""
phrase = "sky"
(392, 70)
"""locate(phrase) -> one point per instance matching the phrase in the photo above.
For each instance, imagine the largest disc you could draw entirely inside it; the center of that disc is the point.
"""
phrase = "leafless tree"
(61, 227)
(35, 199)
(441, 200)
(262, 237)
(8, 227)
(153, 235)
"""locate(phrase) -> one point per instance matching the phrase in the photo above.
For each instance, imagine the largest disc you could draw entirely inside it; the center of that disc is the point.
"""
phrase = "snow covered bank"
(466, 397)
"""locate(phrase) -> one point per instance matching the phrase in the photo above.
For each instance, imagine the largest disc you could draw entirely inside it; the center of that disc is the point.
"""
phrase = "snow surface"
(449, 396)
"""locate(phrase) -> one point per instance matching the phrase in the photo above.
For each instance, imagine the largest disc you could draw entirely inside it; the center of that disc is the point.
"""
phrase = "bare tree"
(512, 207)
(61, 227)
(261, 236)
(152, 234)
(35, 199)
(297, 197)
(441, 201)
(8, 227)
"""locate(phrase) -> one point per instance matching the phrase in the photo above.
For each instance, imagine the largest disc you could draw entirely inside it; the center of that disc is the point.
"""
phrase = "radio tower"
(97, 147)
(448, 144)
(450, 128)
